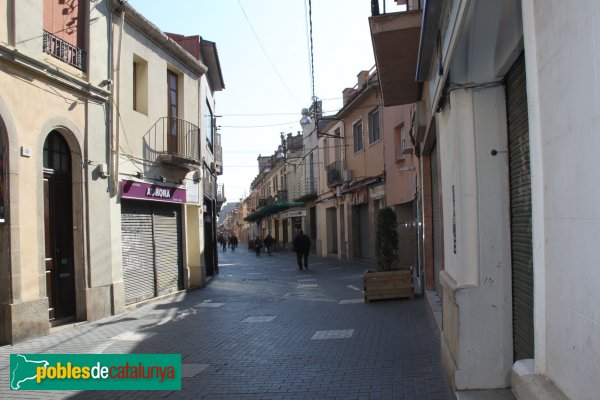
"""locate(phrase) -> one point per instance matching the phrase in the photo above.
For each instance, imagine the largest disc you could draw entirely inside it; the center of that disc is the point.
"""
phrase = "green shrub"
(386, 239)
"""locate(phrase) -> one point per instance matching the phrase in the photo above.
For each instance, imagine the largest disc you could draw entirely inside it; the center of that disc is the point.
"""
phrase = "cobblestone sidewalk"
(264, 330)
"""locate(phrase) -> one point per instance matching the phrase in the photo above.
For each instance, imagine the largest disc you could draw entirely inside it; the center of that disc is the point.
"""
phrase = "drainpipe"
(118, 89)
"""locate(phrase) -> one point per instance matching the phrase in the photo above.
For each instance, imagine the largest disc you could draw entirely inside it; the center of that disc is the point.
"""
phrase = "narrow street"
(262, 329)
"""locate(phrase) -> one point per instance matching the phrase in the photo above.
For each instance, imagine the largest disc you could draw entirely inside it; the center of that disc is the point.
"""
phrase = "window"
(140, 85)
(358, 139)
(56, 156)
(399, 143)
(338, 145)
(374, 131)
(64, 30)
(209, 125)
(172, 111)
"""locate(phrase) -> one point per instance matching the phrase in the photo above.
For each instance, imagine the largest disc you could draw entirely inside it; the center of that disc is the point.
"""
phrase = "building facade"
(54, 102)
(79, 179)
(499, 103)
(165, 149)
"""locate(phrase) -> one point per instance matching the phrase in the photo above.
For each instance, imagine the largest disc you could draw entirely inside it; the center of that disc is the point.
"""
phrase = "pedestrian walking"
(269, 243)
(302, 248)
(257, 245)
(222, 241)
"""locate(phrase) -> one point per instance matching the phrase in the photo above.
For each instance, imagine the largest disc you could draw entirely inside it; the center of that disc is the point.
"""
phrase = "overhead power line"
(267, 55)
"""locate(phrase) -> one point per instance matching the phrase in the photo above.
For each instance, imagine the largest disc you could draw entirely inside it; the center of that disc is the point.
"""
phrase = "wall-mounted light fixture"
(138, 174)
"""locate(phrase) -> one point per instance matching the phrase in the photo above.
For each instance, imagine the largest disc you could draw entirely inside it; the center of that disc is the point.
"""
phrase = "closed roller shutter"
(520, 206)
(167, 244)
(436, 206)
(138, 251)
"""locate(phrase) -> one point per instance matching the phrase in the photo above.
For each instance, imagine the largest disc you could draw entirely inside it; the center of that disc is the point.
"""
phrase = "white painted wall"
(477, 224)
(562, 45)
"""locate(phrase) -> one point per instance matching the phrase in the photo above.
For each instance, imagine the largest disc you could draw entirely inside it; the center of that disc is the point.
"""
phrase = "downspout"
(109, 114)
(118, 102)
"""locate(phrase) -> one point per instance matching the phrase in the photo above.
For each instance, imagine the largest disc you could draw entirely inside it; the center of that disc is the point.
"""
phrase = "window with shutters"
(374, 127)
(173, 111)
(64, 31)
(357, 132)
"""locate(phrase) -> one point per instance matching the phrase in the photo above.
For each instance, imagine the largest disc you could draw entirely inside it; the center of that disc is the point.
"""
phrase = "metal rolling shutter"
(167, 244)
(520, 214)
(138, 251)
(436, 206)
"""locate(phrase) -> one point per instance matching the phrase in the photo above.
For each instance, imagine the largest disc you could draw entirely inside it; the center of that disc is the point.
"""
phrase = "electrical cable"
(266, 55)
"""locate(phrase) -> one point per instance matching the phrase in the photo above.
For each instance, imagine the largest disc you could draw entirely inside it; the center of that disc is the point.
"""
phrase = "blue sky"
(265, 90)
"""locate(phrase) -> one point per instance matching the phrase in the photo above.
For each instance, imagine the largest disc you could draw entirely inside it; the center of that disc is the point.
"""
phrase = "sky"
(263, 48)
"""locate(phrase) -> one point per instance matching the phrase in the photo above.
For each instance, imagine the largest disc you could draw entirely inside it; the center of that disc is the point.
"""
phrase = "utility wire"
(256, 126)
(312, 58)
(266, 55)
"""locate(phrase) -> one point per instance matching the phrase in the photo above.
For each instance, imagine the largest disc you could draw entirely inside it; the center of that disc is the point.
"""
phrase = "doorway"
(58, 228)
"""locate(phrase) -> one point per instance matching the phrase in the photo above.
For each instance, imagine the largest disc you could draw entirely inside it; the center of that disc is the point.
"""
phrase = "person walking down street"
(302, 248)
(257, 245)
(269, 243)
(236, 241)
(222, 241)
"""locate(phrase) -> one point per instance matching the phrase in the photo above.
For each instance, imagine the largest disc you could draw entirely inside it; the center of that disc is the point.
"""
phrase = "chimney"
(363, 79)
(347, 94)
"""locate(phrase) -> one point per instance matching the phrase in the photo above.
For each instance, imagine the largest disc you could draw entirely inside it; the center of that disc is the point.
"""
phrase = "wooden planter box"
(394, 284)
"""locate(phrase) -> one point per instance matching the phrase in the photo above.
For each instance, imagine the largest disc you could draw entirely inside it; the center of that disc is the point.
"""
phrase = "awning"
(272, 208)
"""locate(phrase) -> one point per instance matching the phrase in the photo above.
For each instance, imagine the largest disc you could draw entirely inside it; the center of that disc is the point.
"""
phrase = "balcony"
(64, 51)
(221, 199)
(218, 155)
(174, 142)
(395, 38)
(334, 174)
(304, 190)
(265, 202)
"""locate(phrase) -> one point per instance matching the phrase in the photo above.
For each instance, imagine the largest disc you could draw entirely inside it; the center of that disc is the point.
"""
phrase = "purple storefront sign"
(146, 191)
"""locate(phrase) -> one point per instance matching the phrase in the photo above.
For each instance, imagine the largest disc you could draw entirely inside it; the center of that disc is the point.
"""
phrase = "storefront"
(151, 236)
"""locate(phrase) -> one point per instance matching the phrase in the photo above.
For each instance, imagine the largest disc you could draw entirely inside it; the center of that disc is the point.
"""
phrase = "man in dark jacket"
(302, 248)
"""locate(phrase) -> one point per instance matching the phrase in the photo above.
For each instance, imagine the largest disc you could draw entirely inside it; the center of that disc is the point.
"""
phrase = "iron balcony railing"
(209, 186)
(64, 51)
(304, 189)
(379, 7)
(334, 174)
(172, 136)
(218, 154)
(221, 191)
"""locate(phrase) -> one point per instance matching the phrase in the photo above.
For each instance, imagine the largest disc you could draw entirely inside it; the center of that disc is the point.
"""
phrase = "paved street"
(264, 330)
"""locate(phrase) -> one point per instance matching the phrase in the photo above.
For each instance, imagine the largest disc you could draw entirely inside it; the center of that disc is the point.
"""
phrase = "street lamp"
(305, 120)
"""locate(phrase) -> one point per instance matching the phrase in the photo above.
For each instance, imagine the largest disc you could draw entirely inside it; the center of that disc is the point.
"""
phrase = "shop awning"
(272, 208)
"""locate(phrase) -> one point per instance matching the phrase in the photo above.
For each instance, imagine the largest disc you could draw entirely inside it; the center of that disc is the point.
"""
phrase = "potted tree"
(389, 280)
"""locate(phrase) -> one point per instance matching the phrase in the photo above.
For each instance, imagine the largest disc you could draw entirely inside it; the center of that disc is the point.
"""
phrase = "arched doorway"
(58, 227)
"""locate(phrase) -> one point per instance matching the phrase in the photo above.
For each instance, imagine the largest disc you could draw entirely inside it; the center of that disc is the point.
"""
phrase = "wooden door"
(58, 228)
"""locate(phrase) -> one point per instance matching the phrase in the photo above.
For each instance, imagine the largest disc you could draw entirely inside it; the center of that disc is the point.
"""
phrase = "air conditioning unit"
(347, 175)
(419, 122)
